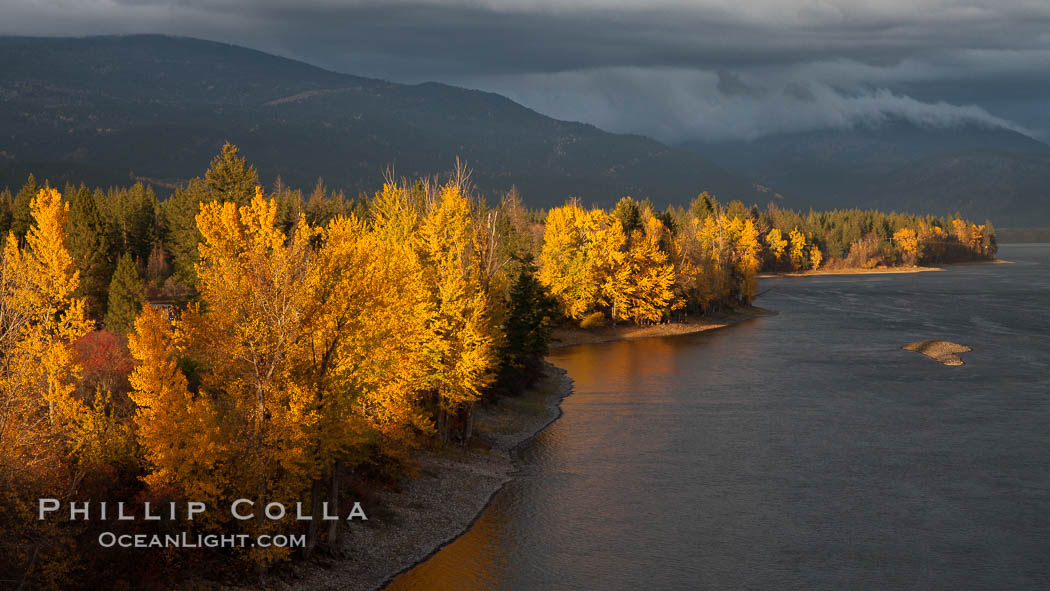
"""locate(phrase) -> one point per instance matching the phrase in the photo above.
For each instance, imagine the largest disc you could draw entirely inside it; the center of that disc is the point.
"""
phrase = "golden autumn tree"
(747, 248)
(650, 290)
(565, 268)
(815, 257)
(797, 254)
(908, 245)
(460, 346)
(48, 436)
(182, 442)
(777, 244)
(250, 419)
(685, 258)
(49, 279)
(717, 252)
(43, 321)
(363, 356)
(961, 230)
(254, 282)
(606, 253)
(976, 244)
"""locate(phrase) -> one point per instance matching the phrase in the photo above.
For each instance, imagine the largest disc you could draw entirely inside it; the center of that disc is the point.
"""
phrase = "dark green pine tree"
(705, 205)
(88, 240)
(6, 208)
(629, 214)
(21, 216)
(181, 235)
(528, 329)
(132, 218)
(667, 219)
(230, 177)
(126, 296)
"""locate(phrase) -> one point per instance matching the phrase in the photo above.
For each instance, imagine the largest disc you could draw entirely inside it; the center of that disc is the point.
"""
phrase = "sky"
(705, 70)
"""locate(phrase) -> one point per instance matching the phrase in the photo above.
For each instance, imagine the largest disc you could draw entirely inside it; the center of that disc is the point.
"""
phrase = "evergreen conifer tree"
(6, 206)
(89, 245)
(229, 178)
(126, 296)
(527, 327)
(21, 216)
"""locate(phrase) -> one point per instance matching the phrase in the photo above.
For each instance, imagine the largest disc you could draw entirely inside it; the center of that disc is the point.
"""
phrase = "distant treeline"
(694, 259)
(634, 264)
(231, 342)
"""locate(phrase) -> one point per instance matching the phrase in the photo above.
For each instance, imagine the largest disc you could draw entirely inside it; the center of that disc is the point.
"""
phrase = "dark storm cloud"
(712, 68)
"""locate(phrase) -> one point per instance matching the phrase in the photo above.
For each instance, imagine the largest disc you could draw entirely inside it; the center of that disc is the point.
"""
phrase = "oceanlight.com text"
(188, 540)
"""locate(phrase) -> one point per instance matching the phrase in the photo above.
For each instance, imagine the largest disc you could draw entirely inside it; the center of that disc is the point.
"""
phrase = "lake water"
(798, 451)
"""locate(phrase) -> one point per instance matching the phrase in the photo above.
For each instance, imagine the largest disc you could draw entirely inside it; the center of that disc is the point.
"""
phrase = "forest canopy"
(236, 342)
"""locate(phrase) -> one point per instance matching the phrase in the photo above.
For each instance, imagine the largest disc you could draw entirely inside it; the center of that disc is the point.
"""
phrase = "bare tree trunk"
(333, 506)
(316, 498)
(442, 420)
(260, 472)
(442, 425)
(468, 431)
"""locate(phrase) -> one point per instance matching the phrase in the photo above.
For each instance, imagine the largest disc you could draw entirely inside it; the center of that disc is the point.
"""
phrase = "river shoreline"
(569, 336)
(456, 484)
(454, 487)
(878, 270)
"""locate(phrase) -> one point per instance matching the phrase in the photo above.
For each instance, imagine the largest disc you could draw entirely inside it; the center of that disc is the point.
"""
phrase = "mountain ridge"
(118, 108)
(902, 166)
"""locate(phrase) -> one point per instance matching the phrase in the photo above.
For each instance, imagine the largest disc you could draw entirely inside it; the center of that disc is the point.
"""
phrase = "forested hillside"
(113, 110)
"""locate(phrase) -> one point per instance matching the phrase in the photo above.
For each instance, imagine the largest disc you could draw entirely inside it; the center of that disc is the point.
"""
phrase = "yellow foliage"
(178, 431)
(747, 249)
(908, 244)
(565, 267)
(47, 434)
(460, 344)
(815, 257)
(798, 249)
(776, 243)
(42, 320)
(650, 289)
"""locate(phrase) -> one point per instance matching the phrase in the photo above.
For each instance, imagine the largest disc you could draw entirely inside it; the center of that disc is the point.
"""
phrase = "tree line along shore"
(232, 342)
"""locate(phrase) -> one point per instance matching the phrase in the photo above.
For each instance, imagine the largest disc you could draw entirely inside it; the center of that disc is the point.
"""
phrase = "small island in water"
(943, 351)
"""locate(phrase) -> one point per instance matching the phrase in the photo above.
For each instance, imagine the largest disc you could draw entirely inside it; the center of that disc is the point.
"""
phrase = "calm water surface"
(800, 451)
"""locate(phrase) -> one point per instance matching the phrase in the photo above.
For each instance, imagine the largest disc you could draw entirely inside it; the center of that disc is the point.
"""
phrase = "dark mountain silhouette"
(979, 171)
(109, 110)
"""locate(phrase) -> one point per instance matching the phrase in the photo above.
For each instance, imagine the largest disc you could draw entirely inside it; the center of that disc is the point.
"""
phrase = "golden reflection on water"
(474, 561)
(631, 361)
(603, 374)
(795, 451)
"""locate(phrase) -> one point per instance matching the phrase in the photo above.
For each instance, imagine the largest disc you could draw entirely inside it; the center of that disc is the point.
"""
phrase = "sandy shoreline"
(568, 336)
(852, 271)
(879, 270)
